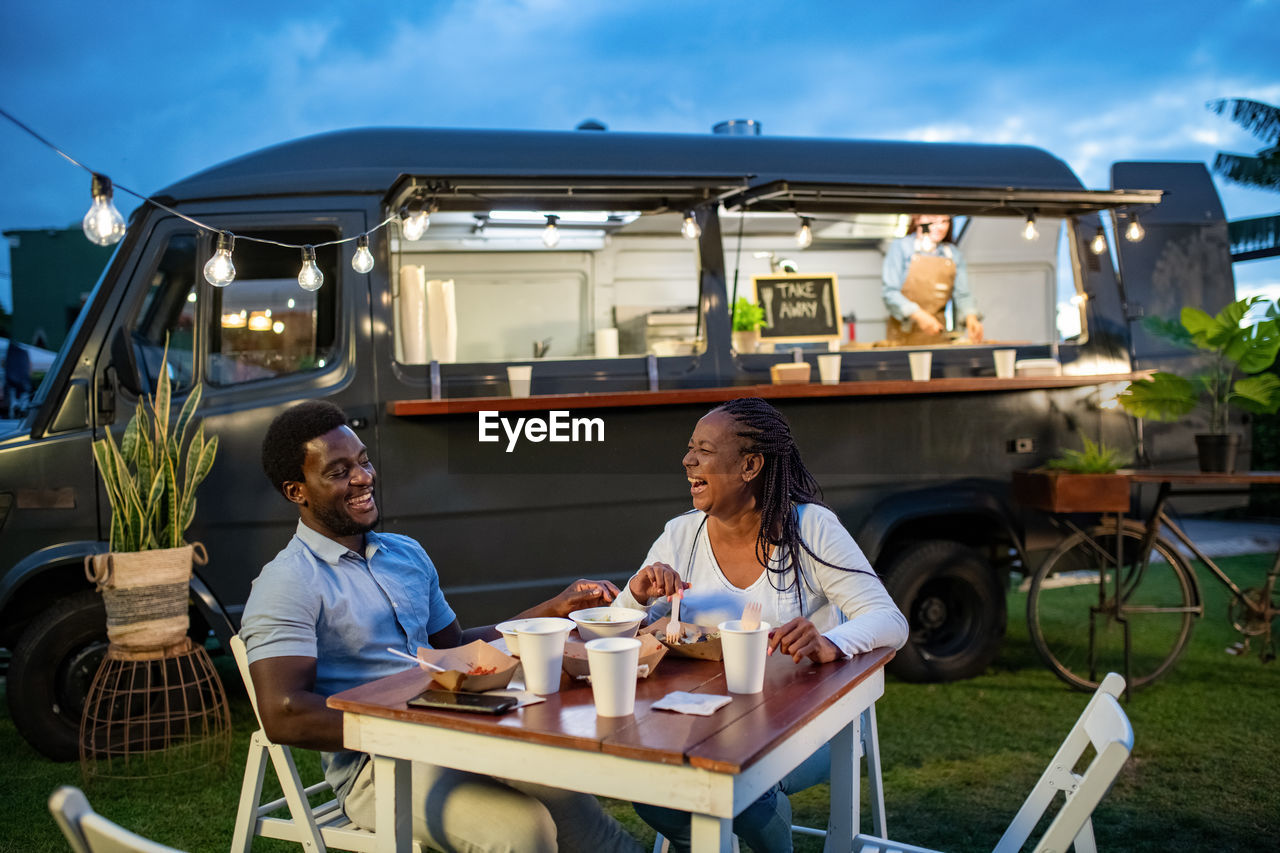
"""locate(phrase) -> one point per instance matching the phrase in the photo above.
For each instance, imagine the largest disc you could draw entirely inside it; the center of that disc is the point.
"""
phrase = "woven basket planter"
(145, 593)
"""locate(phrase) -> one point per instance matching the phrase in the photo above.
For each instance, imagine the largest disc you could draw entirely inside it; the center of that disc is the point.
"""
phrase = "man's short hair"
(284, 447)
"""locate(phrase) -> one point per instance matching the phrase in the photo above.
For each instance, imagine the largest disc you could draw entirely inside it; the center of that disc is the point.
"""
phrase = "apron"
(929, 282)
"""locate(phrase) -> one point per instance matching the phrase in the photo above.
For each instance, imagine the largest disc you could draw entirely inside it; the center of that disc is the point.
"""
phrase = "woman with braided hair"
(758, 532)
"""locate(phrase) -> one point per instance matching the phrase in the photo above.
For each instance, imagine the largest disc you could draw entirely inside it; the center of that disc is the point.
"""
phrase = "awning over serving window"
(647, 195)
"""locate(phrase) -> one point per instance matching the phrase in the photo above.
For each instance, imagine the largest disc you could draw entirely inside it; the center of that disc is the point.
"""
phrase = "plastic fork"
(751, 616)
(673, 626)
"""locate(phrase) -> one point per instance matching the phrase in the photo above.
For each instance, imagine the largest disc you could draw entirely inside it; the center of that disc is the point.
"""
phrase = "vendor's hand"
(654, 581)
(800, 639)
(926, 322)
(973, 326)
(582, 594)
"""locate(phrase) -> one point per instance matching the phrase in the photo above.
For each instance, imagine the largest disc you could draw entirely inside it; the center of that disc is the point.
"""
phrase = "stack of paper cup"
(542, 652)
(613, 662)
(829, 368)
(921, 365)
(519, 377)
(606, 343)
(744, 655)
(1005, 361)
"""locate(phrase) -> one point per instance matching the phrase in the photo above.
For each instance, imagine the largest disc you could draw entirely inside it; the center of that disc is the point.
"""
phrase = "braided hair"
(786, 483)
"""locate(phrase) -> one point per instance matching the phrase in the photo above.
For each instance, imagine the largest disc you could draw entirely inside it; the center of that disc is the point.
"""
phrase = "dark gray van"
(625, 322)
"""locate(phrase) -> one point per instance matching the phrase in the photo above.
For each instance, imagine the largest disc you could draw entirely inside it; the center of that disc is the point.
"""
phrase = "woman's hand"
(926, 322)
(654, 581)
(800, 639)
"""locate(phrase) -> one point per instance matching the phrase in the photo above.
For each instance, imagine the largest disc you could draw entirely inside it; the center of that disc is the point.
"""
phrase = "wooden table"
(713, 767)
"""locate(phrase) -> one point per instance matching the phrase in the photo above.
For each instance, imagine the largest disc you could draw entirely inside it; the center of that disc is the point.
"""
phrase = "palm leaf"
(1262, 120)
(1163, 397)
(1258, 394)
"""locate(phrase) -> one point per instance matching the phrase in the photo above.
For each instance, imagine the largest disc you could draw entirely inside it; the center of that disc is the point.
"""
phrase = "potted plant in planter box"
(151, 478)
(1077, 481)
(1237, 352)
(748, 320)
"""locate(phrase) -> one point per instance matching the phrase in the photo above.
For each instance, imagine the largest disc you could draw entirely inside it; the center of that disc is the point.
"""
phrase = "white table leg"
(709, 833)
(875, 780)
(392, 787)
(842, 825)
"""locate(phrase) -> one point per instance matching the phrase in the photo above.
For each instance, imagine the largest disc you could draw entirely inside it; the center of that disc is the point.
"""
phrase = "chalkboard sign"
(798, 307)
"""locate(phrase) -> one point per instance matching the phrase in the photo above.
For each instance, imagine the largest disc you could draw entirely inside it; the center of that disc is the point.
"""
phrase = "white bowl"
(508, 630)
(597, 622)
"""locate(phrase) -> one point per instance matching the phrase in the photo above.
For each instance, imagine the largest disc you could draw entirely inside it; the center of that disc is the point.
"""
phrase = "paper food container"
(575, 655)
(473, 668)
(790, 373)
(696, 641)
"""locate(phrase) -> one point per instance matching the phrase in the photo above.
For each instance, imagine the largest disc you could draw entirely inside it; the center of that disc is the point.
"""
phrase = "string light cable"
(104, 225)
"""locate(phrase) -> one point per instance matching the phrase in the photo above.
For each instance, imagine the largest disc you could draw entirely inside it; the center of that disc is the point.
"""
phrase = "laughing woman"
(758, 532)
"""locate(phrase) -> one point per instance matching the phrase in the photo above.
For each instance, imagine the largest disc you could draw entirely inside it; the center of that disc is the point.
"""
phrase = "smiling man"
(321, 617)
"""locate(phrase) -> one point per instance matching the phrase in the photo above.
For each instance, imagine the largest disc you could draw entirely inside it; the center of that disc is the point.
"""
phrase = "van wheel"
(51, 671)
(955, 607)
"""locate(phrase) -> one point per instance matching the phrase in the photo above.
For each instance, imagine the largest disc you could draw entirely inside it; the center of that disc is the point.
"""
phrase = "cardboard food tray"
(575, 655)
(463, 660)
(696, 641)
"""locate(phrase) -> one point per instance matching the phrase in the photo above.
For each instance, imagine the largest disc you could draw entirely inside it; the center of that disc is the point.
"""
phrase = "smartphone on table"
(476, 703)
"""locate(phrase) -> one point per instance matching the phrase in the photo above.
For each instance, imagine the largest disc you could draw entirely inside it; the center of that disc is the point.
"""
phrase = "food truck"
(603, 268)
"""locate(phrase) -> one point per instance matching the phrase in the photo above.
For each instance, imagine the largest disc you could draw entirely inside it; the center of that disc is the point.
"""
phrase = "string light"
(1098, 244)
(690, 229)
(310, 277)
(220, 271)
(414, 223)
(551, 234)
(804, 237)
(103, 224)
(363, 260)
(277, 327)
(1135, 232)
(1029, 231)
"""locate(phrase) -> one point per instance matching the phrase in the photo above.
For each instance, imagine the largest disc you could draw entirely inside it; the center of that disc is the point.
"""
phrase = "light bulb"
(1135, 232)
(277, 327)
(363, 260)
(1098, 244)
(310, 277)
(219, 270)
(551, 234)
(1029, 231)
(103, 224)
(690, 228)
(804, 237)
(413, 225)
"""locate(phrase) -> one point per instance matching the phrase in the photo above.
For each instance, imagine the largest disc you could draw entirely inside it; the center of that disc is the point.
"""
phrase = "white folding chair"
(869, 741)
(1102, 724)
(317, 828)
(89, 832)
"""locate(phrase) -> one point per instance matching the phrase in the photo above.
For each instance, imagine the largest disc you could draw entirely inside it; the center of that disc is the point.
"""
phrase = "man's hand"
(800, 639)
(657, 580)
(973, 326)
(576, 596)
(926, 322)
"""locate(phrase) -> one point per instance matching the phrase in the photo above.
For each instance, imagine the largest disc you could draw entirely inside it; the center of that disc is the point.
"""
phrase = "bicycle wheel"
(1076, 622)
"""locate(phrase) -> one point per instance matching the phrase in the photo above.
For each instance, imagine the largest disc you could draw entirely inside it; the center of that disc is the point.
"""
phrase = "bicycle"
(1120, 596)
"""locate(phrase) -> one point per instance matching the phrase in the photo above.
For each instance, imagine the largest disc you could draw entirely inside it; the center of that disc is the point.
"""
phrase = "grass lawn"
(958, 758)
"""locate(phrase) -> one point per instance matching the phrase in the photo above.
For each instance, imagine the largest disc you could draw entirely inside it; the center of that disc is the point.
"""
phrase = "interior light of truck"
(235, 320)
(1098, 244)
(1029, 231)
(309, 277)
(804, 237)
(551, 234)
(363, 260)
(220, 271)
(689, 228)
(1135, 232)
(291, 303)
(277, 327)
(259, 322)
(103, 224)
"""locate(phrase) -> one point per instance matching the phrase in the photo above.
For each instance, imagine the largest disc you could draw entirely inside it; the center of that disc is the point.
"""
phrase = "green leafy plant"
(747, 316)
(152, 475)
(1238, 352)
(1096, 458)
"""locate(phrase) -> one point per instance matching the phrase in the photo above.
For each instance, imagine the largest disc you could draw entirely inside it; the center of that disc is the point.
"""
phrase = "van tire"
(53, 665)
(955, 609)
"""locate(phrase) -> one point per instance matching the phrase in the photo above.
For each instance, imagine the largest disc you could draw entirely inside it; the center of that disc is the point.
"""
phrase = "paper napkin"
(702, 704)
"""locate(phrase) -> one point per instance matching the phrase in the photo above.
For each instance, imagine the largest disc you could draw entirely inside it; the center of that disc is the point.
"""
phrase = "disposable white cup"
(542, 652)
(829, 368)
(921, 365)
(518, 377)
(613, 662)
(744, 655)
(1005, 361)
(607, 343)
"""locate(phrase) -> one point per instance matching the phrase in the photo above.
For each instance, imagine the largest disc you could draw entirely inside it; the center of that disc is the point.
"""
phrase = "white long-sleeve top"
(852, 609)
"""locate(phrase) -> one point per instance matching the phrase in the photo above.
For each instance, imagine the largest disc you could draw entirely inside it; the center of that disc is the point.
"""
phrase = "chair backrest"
(241, 654)
(1102, 724)
(89, 832)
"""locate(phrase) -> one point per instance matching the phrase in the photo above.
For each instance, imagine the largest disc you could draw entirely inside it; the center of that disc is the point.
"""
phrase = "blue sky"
(150, 92)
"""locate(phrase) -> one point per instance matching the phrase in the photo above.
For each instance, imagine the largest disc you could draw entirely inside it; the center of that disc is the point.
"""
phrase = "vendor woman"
(922, 272)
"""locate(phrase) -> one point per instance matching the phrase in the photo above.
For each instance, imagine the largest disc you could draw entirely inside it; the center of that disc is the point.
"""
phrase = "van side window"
(168, 313)
(264, 325)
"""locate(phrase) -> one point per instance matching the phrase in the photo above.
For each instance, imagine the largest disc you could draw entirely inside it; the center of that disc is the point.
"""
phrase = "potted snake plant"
(151, 477)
